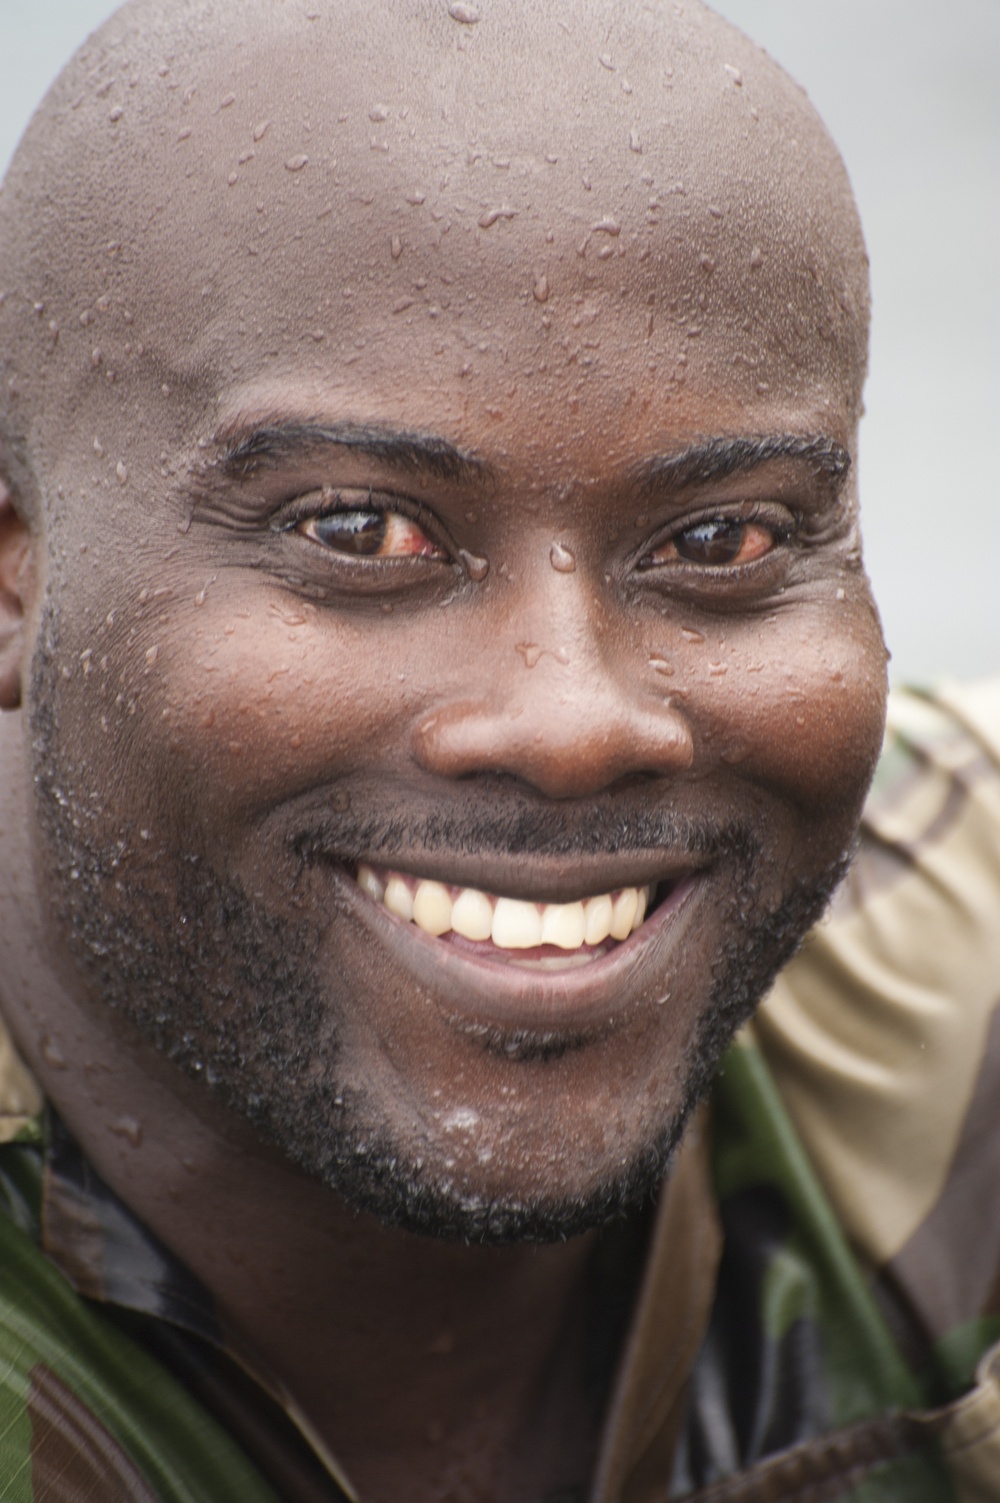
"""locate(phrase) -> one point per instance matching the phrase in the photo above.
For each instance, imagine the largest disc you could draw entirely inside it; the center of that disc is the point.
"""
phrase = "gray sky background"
(908, 89)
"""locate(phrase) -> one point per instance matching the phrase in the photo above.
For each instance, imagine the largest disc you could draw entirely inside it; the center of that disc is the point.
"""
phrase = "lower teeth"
(557, 962)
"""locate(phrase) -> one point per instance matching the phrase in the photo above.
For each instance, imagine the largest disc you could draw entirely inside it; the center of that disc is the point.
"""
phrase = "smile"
(512, 931)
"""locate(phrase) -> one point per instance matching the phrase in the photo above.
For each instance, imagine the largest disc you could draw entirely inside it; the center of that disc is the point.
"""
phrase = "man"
(442, 688)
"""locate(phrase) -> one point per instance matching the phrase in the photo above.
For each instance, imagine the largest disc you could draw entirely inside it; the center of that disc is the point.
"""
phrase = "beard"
(231, 991)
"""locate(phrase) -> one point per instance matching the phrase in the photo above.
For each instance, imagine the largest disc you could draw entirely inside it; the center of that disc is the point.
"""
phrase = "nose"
(570, 724)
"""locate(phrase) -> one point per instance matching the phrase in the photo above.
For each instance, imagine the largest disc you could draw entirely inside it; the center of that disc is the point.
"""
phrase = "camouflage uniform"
(812, 1314)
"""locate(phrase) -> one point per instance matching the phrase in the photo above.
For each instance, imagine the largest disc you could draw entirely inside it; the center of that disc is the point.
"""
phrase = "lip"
(482, 995)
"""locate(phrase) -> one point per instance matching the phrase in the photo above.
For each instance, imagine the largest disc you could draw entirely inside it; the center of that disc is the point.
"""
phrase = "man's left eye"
(716, 543)
(370, 532)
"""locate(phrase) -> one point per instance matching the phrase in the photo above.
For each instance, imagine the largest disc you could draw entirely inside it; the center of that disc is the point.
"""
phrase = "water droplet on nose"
(260, 131)
(490, 217)
(734, 74)
(476, 568)
(660, 665)
(717, 670)
(690, 635)
(52, 1054)
(129, 1129)
(466, 15)
(562, 559)
(122, 472)
(530, 652)
(540, 290)
(396, 247)
(296, 164)
(634, 144)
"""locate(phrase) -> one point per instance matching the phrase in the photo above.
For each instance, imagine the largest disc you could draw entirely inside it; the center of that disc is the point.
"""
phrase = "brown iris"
(358, 532)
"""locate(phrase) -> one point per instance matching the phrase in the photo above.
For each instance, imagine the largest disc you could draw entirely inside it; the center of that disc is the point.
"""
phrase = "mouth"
(507, 931)
(508, 967)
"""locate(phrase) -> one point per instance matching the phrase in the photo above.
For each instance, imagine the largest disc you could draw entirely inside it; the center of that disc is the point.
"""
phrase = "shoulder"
(85, 1413)
(883, 1035)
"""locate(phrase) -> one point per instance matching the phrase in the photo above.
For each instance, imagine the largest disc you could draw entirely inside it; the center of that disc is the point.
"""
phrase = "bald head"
(345, 169)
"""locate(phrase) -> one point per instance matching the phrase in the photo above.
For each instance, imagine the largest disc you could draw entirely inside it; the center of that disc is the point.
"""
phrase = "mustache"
(522, 832)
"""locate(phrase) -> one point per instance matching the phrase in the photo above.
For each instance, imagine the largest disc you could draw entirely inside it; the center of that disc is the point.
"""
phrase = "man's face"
(488, 528)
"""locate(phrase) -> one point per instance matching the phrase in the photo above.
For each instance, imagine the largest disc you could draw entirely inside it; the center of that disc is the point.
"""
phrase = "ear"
(17, 573)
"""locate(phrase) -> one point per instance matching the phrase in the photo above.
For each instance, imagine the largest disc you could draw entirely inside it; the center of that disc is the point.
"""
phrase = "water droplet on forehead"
(562, 559)
(466, 15)
(540, 290)
(490, 216)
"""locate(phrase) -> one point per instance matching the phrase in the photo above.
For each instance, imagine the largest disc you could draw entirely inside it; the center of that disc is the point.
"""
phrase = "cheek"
(796, 703)
(243, 709)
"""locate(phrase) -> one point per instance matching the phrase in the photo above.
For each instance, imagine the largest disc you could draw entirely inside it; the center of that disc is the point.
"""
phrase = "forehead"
(386, 204)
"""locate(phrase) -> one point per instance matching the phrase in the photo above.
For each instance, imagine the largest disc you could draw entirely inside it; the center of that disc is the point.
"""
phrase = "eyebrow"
(247, 446)
(715, 458)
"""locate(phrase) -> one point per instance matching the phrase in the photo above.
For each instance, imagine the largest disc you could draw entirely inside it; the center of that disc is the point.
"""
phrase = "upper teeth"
(509, 922)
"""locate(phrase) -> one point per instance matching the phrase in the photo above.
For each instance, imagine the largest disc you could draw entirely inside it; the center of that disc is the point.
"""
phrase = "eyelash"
(396, 511)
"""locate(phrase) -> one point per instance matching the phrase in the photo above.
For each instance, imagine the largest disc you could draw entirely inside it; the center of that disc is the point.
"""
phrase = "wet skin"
(617, 633)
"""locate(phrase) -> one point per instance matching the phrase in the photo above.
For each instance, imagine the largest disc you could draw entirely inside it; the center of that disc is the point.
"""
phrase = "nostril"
(561, 748)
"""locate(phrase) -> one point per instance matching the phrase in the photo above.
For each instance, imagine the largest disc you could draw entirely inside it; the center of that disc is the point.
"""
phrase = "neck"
(410, 1357)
